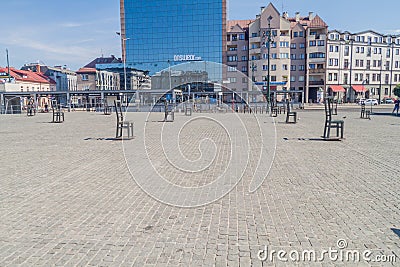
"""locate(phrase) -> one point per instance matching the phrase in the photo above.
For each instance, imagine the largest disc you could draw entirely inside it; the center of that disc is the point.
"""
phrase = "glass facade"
(164, 33)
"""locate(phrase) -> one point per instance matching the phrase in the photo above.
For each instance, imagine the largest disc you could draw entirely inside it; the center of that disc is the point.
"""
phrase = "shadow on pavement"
(396, 231)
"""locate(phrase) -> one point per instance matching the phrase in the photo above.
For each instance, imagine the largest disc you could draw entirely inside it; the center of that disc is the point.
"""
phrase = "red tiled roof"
(242, 23)
(50, 80)
(86, 70)
(316, 22)
(25, 76)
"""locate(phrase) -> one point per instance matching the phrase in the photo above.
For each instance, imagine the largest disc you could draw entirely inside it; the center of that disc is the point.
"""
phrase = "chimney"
(311, 16)
(262, 8)
(285, 15)
(38, 68)
(297, 16)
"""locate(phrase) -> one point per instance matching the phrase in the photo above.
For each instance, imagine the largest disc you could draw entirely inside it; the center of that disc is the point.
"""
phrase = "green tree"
(396, 90)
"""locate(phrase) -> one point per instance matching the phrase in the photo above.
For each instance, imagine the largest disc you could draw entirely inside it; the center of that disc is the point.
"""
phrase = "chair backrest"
(54, 105)
(118, 110)
(287, 105)
(328, 108)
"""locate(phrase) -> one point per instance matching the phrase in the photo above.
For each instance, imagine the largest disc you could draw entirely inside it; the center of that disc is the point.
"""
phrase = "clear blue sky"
(74, 32)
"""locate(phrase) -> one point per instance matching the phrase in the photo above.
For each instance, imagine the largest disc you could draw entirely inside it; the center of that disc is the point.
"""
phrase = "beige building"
(237, 55)
(364, 64)
(279, 56)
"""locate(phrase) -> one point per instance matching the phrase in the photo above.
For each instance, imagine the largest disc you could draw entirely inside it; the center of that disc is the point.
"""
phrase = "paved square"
(67, 197)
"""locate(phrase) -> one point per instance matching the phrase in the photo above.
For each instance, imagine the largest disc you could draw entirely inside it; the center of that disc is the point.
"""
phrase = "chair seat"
(338, 121)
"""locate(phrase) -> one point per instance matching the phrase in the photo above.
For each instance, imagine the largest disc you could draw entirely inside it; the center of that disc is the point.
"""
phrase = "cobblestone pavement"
(67, 197)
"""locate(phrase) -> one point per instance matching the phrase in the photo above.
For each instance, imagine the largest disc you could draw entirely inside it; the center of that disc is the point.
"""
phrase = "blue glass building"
(162, 33)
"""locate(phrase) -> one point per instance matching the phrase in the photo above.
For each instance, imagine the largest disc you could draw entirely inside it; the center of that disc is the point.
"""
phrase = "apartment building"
(308, 56)
(364, 64)
(270, 20)
(237, 54)
(297, 54)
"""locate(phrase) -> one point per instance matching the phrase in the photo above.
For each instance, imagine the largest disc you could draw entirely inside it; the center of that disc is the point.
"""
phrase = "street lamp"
(123, 43)
(268, 44)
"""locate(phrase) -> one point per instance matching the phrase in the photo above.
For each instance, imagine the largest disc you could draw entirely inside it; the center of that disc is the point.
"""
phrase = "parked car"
(371, 102)
(360, 101)
(387, 101)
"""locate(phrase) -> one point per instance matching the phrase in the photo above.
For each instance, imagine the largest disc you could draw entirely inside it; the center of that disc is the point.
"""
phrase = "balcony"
(316, 82)
(314, 71)
(255, 39)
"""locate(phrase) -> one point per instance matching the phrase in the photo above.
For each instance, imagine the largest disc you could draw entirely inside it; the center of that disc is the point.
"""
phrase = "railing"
(316, 83)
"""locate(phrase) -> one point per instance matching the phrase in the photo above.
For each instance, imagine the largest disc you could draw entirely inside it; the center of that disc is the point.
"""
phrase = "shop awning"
(337, 88)
(358, 88)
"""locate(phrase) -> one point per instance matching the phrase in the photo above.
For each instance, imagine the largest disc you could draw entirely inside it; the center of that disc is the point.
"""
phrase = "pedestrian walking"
(396, 106)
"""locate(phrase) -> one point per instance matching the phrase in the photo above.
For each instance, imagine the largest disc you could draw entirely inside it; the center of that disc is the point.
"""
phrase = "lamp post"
(380, 82)
(123, 43)
(269, 40)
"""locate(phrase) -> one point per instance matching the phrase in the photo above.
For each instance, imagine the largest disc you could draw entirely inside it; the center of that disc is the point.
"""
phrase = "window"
(241, 36)
(397, 51)
(357, 63)
(274, 55)
(284, 55)
(395, 77)
(265, 67)
(335, 76)
(244, 68)
(273, 67)
(273, 78)
(313, 43)
(375, 50)
(301, 67)
(232, 80)
(292, 56)
(301, 78)
(85, 77)
(346, 50)
(374, 77)
(336, 62)
(302, 45)
(273, 45)
(244, 48)
(331, 48)
(244, 58)
(292, 78)
(228, 37)
(244, 80)
(232, 48)
(293, 46)
(232, 68)
(312, 66)
(361, 63)
(346, 78)
(330, 77)
(254, 34)
(284, 67)
(302, 56)
(337, 48)
(356, 77)
(284, 44)
(357, 49)
(362, 50)
(295, 34)
(321, 43)
(265, 56)
(346, 63)
(317, 55)
(293, 67)
(232, 58)
(330, 63)
(301, 34)
(234, 37)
